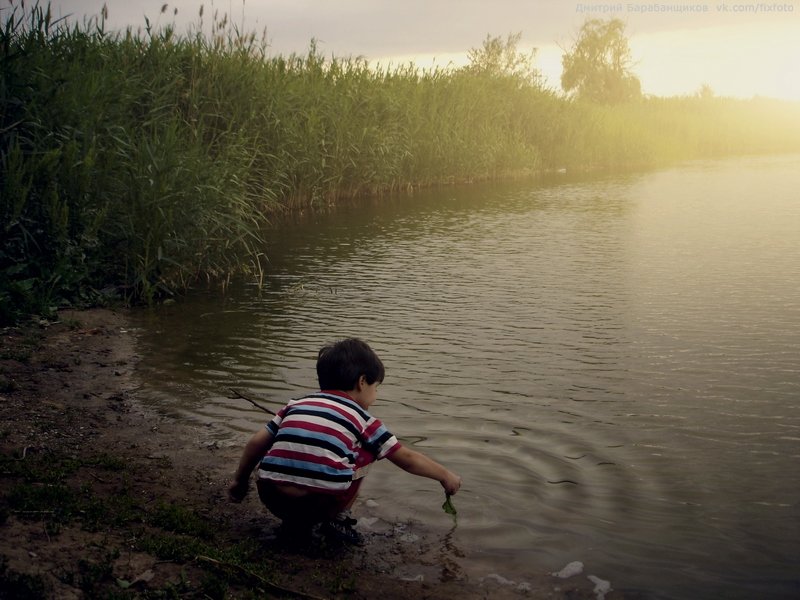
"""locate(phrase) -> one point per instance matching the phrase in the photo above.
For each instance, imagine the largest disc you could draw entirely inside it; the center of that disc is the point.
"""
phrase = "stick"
(251, 401)
(266, 582)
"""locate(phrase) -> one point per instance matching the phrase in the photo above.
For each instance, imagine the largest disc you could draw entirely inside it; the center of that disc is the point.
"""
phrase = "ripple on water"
(611, 365)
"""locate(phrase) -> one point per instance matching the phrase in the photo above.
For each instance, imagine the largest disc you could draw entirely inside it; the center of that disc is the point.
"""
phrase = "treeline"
(133, 165)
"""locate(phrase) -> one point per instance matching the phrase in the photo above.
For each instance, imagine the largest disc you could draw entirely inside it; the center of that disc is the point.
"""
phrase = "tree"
(706, 92)
(598, 68)
(501, 58)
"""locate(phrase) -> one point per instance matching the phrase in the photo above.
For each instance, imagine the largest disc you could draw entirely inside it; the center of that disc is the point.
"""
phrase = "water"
(611, 364)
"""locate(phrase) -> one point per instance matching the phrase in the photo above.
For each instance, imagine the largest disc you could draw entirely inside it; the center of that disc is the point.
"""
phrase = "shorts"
(308, 509)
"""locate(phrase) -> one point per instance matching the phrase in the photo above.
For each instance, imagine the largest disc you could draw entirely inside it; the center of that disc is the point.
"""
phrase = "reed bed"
(134, 165)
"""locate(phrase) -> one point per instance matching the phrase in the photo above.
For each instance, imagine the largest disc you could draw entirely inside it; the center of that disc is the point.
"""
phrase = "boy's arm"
(417, 463)
(253, 453)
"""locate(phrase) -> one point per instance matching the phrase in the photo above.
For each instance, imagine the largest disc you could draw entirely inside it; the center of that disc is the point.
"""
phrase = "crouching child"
(312, 457)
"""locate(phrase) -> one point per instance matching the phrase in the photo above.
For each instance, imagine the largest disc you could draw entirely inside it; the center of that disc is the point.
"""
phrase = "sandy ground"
(68, 393)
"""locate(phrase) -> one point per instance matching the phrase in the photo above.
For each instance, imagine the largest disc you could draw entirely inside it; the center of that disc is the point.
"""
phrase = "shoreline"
(102, 495)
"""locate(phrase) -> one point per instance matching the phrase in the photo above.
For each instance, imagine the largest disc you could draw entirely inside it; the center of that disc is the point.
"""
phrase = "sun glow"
(740, 61)
(736, 61)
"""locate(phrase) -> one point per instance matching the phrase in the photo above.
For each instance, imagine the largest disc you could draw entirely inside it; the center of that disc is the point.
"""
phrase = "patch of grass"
(341, 580)
(21, 342)
(48, 467)
(175, 591)
(20, 586)
(108, 462)
(58, 505)
(180, 519)
(51, 502)
(110, 511)
(95, 493)
(44, 468)
(71, 324)
(42, 492)
(19, 349)
(92, 575)
(170, 546)
(214, 587)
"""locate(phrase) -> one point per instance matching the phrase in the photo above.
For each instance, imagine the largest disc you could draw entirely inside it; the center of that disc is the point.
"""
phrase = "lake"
(612, 363)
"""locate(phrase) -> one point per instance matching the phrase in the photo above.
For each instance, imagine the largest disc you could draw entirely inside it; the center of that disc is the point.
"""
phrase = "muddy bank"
(103, 496)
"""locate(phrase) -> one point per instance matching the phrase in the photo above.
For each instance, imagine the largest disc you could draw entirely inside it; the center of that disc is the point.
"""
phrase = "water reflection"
(611, 364)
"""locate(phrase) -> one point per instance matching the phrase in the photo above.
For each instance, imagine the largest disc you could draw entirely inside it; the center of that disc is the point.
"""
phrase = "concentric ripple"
(612, 365)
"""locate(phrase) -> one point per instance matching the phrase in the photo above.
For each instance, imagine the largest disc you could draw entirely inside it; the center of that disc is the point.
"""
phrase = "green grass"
(42, 488)
(179, 519)
(42, 492)
(134, 165)
(20, 349)
(19, 585)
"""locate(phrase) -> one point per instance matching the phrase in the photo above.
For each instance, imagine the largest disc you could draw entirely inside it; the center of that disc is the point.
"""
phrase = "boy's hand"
(451, 483)
(237, 491)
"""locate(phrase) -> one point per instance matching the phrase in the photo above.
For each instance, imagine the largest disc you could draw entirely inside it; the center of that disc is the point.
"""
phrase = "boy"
(314, 454)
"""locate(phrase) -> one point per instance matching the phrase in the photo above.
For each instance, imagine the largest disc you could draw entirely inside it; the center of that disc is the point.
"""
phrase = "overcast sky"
(739, 47)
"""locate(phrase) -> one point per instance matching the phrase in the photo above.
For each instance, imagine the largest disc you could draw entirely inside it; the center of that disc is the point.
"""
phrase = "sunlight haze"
(739, 49)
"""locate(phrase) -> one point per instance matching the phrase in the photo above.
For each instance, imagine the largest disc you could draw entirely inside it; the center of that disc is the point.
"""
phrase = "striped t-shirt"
(323, 441)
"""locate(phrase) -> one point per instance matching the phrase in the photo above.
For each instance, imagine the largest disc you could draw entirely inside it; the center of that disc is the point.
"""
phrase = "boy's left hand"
(237, 491)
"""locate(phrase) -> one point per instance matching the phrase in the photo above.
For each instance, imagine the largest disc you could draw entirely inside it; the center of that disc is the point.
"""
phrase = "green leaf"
(448, 506)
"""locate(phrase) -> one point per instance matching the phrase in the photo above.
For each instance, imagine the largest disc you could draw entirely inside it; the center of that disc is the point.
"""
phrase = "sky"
(741, 48)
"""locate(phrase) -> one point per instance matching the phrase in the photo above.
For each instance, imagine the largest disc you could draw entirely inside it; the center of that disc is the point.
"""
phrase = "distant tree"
(598, 67)
(502, 58)
(706, 92)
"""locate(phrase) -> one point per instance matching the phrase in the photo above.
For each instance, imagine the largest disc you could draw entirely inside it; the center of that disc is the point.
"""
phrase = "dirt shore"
(103, 497)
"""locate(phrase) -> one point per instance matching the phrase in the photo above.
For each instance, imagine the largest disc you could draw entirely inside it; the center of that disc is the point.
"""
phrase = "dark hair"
(341, 364)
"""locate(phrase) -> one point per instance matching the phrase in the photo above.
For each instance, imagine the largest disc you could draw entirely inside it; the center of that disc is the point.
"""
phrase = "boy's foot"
(341, 530)
(346, 518)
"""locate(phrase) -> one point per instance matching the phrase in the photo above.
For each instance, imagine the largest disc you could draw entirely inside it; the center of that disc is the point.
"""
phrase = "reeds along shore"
(136, 164)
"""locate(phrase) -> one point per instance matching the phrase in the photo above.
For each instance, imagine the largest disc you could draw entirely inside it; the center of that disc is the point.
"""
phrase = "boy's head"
(341, 364)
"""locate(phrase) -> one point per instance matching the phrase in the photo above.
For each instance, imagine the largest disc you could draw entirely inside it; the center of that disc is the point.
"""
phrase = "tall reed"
(136, 164)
